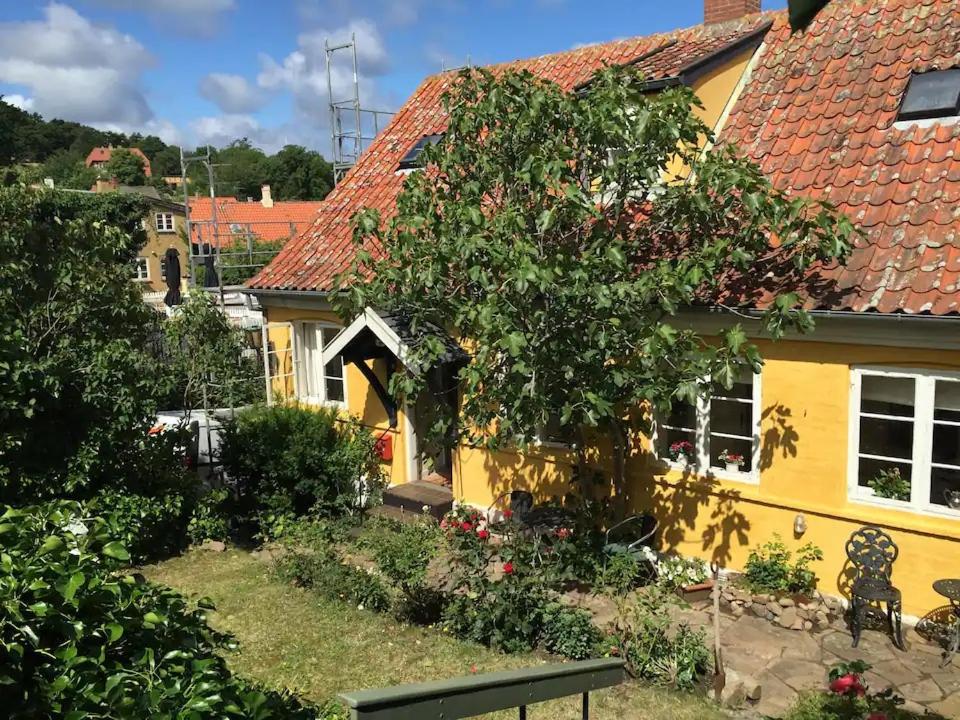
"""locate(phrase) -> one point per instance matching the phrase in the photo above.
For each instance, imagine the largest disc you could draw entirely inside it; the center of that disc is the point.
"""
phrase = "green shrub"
(889, 483)
(676, 571)
(618, 574)
(210, 517)
(642, 633)
(769, 569)
(150, 527)
(570, 632)
(326, 575)
(81, 638)
(288, 461)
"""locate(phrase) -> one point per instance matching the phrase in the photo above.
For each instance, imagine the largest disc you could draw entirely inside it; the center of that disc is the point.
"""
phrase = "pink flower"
(508, 568)
(564, 533)
(473, 668)
(466, 527)
(483, 534)
(849, 684)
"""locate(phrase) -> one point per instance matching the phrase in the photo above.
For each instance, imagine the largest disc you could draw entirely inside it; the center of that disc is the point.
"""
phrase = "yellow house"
(843, 111)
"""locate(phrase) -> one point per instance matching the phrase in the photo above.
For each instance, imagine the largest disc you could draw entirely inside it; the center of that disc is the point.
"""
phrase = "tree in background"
(296, 173)
(560, 235)
(166, 161)
(68, 170)
(126, 167)
(78, 382)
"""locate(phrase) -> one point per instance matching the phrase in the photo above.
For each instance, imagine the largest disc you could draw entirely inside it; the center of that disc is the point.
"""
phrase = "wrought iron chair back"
(872, 553)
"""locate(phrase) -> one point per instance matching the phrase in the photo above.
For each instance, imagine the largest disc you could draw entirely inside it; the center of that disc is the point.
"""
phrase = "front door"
(435, 403)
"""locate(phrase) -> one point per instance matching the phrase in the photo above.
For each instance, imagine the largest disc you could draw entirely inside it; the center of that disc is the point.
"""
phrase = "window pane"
(945, 487)
(742, 388)
(881, 475)
(334, 368)
(947, 403)
(731, 417)
(932, 94)
(311, 361)
(682, 415)
(946, 444)
(668, 437)
(334, 390)
(739, 447)
(887, 395)
(892, 438)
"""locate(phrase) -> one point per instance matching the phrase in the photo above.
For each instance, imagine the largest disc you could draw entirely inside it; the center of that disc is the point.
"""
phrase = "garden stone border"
(813, 613)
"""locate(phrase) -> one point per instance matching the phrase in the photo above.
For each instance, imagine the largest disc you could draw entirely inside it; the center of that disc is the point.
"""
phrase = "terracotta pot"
(698, 592)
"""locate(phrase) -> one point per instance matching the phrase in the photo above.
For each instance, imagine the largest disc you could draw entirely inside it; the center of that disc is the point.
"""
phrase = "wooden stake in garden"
(719, 675)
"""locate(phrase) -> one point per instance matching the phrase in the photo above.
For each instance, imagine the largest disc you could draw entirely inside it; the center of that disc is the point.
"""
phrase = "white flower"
(360, 606)
(76, 527)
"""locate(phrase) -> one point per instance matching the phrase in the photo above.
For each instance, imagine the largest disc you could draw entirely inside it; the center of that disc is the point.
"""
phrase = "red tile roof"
(819, 116)
(103, 154)
(286, 219)
(817, 113)
(310, 261)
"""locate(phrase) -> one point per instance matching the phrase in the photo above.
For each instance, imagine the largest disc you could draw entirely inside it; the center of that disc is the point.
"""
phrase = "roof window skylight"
(933, 94)
(411, 160)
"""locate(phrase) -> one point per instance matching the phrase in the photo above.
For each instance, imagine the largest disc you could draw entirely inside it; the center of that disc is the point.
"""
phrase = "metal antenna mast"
(348, 120)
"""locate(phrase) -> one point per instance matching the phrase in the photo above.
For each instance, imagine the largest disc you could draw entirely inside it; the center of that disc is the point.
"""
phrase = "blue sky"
(211, 70)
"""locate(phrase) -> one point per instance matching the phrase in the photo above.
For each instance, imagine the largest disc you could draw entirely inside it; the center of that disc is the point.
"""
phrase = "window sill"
(905, 507)
(747, 478)
(317, 402)
(166, 232)
(141, 280)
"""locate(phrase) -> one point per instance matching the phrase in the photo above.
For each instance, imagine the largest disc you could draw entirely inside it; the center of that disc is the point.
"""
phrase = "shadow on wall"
(780, 437)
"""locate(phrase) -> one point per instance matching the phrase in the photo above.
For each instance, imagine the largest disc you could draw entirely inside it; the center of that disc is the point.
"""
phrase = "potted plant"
(953, 499)
(732, 460)
(688, 577)
(890, 484)
(682, 451)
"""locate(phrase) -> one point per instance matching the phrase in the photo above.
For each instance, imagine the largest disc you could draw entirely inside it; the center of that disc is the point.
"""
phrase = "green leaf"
(116, 550)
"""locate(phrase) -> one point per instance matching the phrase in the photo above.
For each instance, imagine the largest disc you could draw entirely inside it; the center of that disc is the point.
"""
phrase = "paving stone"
(923, 691)
(777, 697)
(800, 674)
(948, 680)
(949, 707)
(895, 672)
(873, 645)
(803, 647)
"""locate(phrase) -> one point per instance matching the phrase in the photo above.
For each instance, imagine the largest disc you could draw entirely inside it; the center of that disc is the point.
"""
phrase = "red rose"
(508, 568)
(466, 527)
(848, 684)
(508, 513)
(563, 533)
(483, 534)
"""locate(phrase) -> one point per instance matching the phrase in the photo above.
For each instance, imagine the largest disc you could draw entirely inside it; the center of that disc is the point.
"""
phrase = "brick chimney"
(266, 198)
(717, 11)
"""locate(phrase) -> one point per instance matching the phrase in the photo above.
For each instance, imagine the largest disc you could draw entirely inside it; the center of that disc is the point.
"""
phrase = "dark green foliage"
(210, 517)
(81, 638)
(527, 223)
(296, 173)
(165, 162)
(509, 619)
(290, 460)
(889, 483)
(321, 571)
(126, 167)
(67, 170)
(768, 568)
(570, 632)
(151, 527)
(202, 348)
(78, 383)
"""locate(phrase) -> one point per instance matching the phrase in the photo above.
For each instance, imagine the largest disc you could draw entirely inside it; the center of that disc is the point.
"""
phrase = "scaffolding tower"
(352, 127)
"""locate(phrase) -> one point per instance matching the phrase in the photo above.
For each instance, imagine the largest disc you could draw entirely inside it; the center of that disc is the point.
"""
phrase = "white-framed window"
(318, 383)
(141, 269)
(164, 222)
(905, 439)
(723, 422)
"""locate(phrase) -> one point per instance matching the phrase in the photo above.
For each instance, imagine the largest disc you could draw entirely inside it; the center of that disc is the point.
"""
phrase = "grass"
(291, 638)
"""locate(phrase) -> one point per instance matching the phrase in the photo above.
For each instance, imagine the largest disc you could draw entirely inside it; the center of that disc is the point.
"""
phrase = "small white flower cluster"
(648, 554)
(678, 571)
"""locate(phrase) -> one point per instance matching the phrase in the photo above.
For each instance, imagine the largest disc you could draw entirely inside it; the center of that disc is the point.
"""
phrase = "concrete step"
(412, 498)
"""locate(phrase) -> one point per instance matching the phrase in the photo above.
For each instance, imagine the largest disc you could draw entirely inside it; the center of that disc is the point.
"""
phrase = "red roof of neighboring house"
(310, 261)
(818, 115)
(284, 220)
(103, 154)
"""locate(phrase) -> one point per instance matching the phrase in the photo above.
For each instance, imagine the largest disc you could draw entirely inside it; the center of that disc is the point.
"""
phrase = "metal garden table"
(950, 589)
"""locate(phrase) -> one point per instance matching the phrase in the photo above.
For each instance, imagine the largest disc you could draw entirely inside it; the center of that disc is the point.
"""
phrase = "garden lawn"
(291, 638)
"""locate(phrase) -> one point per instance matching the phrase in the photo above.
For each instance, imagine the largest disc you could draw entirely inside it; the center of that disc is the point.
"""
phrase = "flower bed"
(814, 612)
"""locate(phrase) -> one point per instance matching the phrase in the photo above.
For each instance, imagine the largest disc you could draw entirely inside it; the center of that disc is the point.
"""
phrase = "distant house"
(264, 219)
(100, 156)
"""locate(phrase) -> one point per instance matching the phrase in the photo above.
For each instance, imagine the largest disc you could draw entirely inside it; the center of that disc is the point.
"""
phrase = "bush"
(83, 639)
(287, 461)
(769, 569)
(326, 575)
(643, 638)
(150, 527)
(210, 518)
(570, 632)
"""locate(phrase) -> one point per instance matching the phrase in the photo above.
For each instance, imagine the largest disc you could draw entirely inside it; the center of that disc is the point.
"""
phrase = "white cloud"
(232, 93)
(74, 69)
(200, 16)
(19, 101)
(223, 129)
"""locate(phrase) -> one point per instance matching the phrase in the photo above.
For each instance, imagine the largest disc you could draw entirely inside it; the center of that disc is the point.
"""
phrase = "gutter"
(845, 315)
(269, 292)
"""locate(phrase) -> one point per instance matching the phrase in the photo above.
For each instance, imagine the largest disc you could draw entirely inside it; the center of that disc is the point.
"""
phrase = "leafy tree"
(562, 234)
(242, 170)
(67, 169)
(150, 144)
(296, 173)
(78, 385)
(166, 161)
(84, 639)
(202, 348)
(127, 167)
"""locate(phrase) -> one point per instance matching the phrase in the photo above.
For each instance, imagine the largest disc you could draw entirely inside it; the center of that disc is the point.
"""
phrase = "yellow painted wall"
(803, 469)
(157, 244)
(362, 402)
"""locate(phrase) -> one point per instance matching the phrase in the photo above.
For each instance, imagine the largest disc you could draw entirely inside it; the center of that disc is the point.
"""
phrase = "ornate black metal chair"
(872, 553)
(629, 535)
